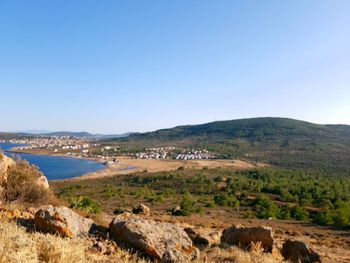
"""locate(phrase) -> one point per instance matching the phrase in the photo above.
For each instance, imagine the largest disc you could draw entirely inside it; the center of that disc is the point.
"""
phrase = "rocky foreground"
(152, 240)
(50, 233)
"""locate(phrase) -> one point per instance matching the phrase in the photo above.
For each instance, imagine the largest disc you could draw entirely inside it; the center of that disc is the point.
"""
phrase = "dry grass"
(236, 255)
(22, 186)
(16, 245)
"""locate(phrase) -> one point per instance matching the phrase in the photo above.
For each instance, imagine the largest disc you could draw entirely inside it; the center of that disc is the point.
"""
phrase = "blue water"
(56, 167)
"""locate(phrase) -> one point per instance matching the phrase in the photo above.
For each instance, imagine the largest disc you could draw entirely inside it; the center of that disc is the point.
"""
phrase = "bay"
(56, 167)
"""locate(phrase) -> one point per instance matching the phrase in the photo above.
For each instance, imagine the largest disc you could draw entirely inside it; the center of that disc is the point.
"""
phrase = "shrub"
(342, 214)
(265, 208)
(284, 213)
(210, 204)
(324, 219)
(68, 190)
(249, 214)
(300, 213)
(111, 191)
(86, 204)
(226, 200)
(22, 186)
(187, 205)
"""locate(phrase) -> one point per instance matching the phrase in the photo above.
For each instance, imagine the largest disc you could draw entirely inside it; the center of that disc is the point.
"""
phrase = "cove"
(56, 167)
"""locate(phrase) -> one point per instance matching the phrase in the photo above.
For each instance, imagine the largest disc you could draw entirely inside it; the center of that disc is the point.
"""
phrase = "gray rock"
(162, 241)
(245, 237)
(142, 209)
(63, 221)
(298, 252)
(202, 238)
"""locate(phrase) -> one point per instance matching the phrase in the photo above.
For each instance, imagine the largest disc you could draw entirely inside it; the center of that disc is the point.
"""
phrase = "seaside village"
(76, 147)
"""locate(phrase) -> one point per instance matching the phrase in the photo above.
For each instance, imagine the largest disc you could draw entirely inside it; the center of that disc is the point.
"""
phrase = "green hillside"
(278, 141)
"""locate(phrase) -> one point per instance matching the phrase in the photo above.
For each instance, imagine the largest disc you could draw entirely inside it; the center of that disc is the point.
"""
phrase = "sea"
(55, 167)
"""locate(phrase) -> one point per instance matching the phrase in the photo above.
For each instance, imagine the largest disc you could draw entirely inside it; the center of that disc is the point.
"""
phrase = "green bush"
(86, 204)
(187, 205)
(342, 214)
(110, 191)
(265, 208)
(284, 213)
(299, 213)
(210, 204)
(226, 200)
(324, 219)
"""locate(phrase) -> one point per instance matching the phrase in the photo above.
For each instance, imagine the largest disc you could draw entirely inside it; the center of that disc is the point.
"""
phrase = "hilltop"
(278, 141)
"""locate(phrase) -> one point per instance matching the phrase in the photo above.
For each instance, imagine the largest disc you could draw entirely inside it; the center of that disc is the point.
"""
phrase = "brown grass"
(236, 255)
(16, 245)
(22, 187)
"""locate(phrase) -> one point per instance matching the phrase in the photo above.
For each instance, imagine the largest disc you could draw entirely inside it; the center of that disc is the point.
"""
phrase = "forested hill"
(281, 141)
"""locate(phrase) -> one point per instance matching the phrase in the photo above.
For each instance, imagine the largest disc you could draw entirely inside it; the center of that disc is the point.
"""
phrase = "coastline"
(42, 153)
(13, 150)
(128, 165)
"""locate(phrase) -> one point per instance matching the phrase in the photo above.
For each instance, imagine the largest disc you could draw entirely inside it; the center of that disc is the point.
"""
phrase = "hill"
(279, 141)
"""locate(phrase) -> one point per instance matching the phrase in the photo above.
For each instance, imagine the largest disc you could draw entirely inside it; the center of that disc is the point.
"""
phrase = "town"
(76, 147)
(174, 153)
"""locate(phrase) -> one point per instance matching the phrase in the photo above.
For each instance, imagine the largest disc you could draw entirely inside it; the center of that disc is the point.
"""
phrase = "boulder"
(42, 181)
(298, 252)
(161, 241)
(142, 209)
(63, 221)
(5, 164)
(202, 238)
(246, 237)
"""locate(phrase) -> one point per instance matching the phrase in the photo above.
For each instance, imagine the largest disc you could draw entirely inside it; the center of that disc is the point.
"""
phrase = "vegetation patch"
(259, 193)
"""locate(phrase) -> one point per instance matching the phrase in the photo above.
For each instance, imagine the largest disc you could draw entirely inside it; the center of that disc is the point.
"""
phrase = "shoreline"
(55, 154)
(97, 160)
(128, 165)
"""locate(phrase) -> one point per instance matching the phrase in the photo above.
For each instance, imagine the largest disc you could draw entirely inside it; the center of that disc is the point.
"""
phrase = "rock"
(176, 209)
(142, 209)
(42, 181)
(63, 221)
(298, 252)
(121, 210)
(5, 164)
(201, 238)
(197, 240)
(162, 241)
(104, 248)
(246, 237)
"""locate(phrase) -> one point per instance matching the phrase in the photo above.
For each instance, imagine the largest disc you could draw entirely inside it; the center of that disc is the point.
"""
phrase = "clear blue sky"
(117, 66)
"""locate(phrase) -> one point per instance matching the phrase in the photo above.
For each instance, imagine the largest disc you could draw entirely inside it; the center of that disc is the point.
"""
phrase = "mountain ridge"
(278, 141)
